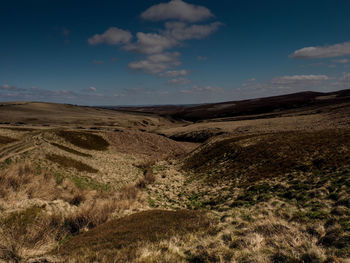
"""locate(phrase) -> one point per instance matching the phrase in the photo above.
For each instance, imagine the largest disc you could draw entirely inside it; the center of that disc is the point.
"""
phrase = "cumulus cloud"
(158, 45)
(177, 10)
(112, 36)
(173, 35)
(175, 73)
(179, 81)
(181, 31)
(150, 43)
(157, 63)
(329, 51)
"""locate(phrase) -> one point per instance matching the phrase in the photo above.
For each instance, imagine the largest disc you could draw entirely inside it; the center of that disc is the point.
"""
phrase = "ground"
(99, 185)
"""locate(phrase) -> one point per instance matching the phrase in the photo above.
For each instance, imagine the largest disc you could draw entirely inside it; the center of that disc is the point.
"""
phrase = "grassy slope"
(277, 196)
(288, 191)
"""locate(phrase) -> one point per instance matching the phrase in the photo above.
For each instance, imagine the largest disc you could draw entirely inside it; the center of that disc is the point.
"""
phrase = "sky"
(148, 52)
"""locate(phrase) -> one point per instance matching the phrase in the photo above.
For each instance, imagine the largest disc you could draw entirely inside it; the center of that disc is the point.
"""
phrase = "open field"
(80, 184)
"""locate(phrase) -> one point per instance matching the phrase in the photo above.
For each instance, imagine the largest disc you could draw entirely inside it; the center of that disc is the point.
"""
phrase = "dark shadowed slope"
(269, 105)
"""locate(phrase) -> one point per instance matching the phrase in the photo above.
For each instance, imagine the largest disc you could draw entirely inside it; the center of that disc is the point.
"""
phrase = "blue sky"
(171, 52)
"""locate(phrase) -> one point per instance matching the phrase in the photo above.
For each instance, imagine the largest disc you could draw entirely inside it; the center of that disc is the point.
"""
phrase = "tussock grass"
(84, 140)
(38, 214)
(70, 163)
(70, 150)
(148, 176)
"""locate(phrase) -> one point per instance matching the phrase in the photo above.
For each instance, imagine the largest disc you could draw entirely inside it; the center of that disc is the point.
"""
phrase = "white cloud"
(112, 36)
(179, 81)
(157, 63)
(150, 43)
(7, 87)
(341, 61)
(202, 89)
(297, 79)
(343, 82)
(172, 36)
(175, 73)
(329, 51)
(177, 10)
(181, 31)
(158, 45)
(93, 89)
(284, 85)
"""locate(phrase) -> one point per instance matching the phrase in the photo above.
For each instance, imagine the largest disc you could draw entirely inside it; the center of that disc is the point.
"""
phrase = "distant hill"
(252, 107)
(51, 114)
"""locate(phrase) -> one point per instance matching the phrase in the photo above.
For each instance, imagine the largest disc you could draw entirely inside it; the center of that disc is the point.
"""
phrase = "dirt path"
(2, 159)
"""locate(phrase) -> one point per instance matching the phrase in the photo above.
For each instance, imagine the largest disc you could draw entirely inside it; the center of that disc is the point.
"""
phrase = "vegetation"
(84, 140)
(272, 155)
(6, 140)
(70, 150)
(70, 163)
(256, 196)
(127, 232)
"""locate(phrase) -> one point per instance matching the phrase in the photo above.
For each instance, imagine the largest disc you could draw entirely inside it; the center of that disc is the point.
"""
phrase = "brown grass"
(84, 140)
(272, 155)
(70, 150)
(148, 176)
(6, 140)
(28, 230)
(70, 163)
(147, 226)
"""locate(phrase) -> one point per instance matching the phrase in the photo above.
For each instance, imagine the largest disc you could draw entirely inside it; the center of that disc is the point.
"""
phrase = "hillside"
(53, 114)
(81, 184)
(248, 109)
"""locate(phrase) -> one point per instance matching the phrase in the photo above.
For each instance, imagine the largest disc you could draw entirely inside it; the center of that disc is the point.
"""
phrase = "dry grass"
(84, 140)
(26, 232)
(149, 146)
(23, 180)
(70, 163)
(39, 214)
(148, 176)
(279, 197)
(127, 232)
(272, 155)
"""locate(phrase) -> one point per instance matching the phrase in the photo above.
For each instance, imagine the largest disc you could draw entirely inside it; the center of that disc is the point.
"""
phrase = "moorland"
(261, 180)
